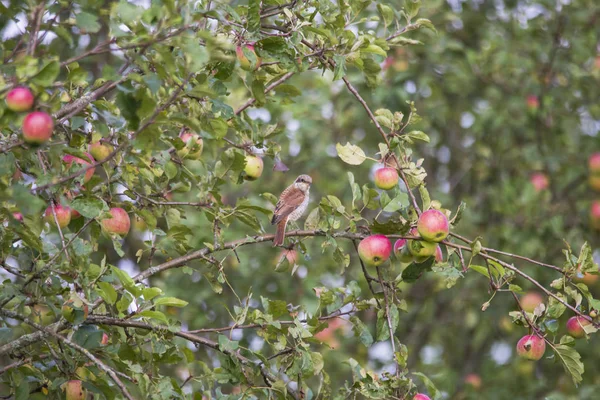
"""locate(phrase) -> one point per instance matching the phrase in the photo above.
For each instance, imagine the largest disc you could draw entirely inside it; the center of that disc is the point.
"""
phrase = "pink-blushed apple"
(533, 102)
(37, 127)
(420, 249)
(74, 390)
(473, 380)
(576, 326)
(421, 396)
(595, 214)
(254, 167)
(104, 340)
(531, 347)
(374, 250)
(401, 251)
(530, 301)
(328, 335)
(594, 163)
(69, 160)
(290, 255)
(386, 178)
(433, 226)
(539, 181)
(439, 257)
(100, 150)
(18, 216)
(63, 215)
(20, 99)
(193, 146)
(118, 223)
(243, 59)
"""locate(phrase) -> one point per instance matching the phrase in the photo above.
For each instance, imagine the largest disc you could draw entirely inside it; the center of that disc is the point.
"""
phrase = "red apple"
(119, 222)
(245, 63)
(473, 380)
(421, 249)
(531, 347)
(401, 251)
(254, 167)
(193, 146)
(328, 335)
(539, 181)
(439, 257)
(576, 326)
(74, 390)
(386, 178)
(375, 250)
(595, 214)
(104, 340)
(69, 160)
(63, 215)
(433, 226)
(421, 396)
(37, 127)
(19, 99)
(530, 301)
(594, 163)
(100, 150)
(532, 102)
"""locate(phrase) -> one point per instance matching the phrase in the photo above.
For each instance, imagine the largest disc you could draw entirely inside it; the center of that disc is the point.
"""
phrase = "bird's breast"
(297, 213)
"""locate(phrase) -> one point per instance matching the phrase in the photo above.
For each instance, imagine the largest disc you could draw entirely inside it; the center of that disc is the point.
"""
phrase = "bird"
(290, 207)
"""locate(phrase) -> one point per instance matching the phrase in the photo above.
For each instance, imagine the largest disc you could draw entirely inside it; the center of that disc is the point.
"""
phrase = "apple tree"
(453, 211)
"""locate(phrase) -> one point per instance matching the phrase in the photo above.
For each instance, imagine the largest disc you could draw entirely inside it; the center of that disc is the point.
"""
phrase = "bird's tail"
(280, 233)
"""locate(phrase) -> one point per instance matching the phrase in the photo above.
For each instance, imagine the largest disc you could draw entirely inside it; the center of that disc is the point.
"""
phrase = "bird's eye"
(301, 180)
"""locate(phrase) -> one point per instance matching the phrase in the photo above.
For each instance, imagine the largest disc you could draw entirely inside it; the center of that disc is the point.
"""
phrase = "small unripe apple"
(594, 163)
(69, 160)
(421, 396)
(594, 181)
(433, 225)
(75, 309)
(119, 223)
(19, 99)
(375, 250)
(530, 301)
(99, 150)
(401, 251)
(595, 214)
(533, 102)
(63, 215)
(421, 249)
(386, 178)
(290, 255)
(18, 216)
(74, 390)
(139, 224)
(254, 167)
(531, 347)
(539, 181)
(193, 146)
(473, 380)
(439, 257)
(37, 127)
(576, 326)
(243, 59)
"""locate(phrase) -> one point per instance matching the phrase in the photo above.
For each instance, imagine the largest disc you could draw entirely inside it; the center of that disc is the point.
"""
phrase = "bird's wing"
(289, 200)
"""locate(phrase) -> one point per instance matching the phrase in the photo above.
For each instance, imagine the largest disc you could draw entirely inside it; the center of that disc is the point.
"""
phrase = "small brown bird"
(291, 205)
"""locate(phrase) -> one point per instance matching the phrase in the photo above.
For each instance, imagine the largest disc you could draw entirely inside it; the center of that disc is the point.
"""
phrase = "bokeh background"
(506, 90)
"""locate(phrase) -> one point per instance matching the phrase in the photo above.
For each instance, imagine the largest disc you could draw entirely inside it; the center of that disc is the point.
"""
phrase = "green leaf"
(87, 22)
(89, 207)
(571, 361)
(482, 270)
(258, 91)
(107, 292)
(362, 331)
(88, 337)
(351, 154)
(126, 281)
(254, 15)
(47, 75)
(433, 391)
(153, 314)
(170, 301)
(418, 135)
(398, 202)
(227, 345)
(386, 12)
